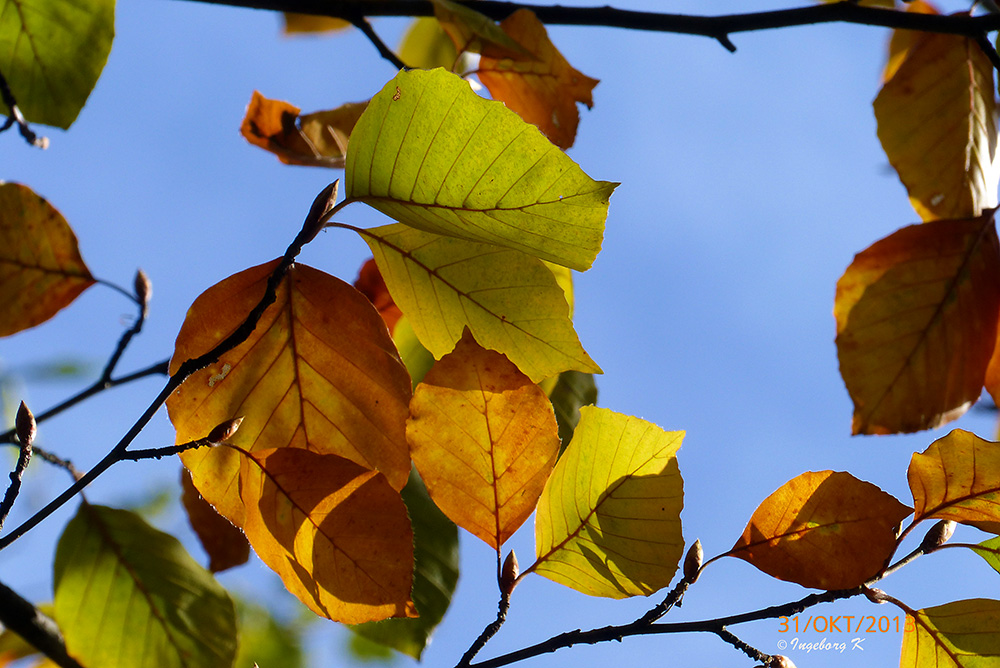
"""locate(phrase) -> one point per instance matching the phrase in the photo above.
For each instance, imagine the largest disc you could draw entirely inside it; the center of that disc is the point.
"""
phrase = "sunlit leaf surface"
(962, 634)
(472, 31)
(426, 45)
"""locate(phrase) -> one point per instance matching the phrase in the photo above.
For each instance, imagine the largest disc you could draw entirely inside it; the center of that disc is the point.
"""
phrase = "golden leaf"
(225, 545)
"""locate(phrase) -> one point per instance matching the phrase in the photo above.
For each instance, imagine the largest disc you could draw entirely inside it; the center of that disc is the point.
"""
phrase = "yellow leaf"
(426, 45)
(916, 324)
(318, 139)
(544, 90)
(903, 40)
(936, 120)
(307, 24)
(336, 533)
(510, 301)
(472, 31)
(608, 522)
(484, 439)
(961, 634)
(825, 530)
(225, 545)
(957, 478)
(319, 372)
(41, 270)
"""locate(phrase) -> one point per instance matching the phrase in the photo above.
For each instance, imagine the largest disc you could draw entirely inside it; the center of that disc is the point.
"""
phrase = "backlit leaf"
(825, 530)
(484, 439)
(318, 139)
(990, 551)
(916, 324)
(266, 641)
(426, 45)
(225, 545)
(52, 52)
(336, 533)
(957, 478)
(608, 523)
(431, 153)
(572, 390)
(936, 120)
(128, 595)
(543, 90)
(472, 31)
(41, 270)
(309, 24)
(903, 40)
(961, 634)
(319, 372)
(435, 575)
(509, 300)
(371, 284)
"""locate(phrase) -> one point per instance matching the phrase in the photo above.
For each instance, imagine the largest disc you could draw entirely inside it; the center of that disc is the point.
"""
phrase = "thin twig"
(490, 631)
(365, 27)
(741, 645)
(170, 450)
(17, 117)
(989, 50)
(26, 429)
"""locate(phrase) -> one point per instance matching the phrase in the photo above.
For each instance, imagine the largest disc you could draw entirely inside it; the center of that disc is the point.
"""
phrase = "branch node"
(726, 42)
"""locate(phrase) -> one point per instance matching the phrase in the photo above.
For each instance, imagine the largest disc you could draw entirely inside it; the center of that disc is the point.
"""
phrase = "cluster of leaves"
(344, 432)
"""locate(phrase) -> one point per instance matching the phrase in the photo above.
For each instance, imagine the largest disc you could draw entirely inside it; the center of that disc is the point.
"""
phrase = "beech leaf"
(336, 533)
(510, 301)
(957, 478)
(543, 90)
(472, 31)
(990, 551)
(225, 545)
(129, 596)
(41, 270)
(319, 372)
(608, 522)
(961, 634)
(426, 45)
(484, 439)
(936, 120)
(825, 530)
(916, 324)
(432, 154)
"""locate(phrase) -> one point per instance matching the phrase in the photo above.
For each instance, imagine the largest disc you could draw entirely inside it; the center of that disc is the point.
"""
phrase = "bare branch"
(27, 621)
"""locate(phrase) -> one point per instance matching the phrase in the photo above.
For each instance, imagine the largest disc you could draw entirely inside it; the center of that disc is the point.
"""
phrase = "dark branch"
(365, 27)
(490, 631)
(37, 629)
(739, 644)
(17, 117)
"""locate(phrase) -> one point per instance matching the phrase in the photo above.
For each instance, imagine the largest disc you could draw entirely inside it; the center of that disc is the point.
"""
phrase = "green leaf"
(52, 53)
(431, 153)
(426, 45)
(572, 391)
(434, 576)
(608, 523)
(961, 634)
(264, 641)
(128, 595)
(510, 301)
(417, 359)
(990, 551)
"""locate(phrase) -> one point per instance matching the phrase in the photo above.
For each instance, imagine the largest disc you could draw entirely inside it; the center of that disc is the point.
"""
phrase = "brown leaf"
(319, 372)
(41, 270)
(338, 534)
(543, 91)
(225, 545)
(824, 530)
(371, 284)
(310, 24)
(318, 139)
(484, 439)
(916, 324)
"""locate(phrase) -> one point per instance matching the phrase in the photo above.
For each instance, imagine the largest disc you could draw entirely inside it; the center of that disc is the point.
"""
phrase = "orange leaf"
(371, 284)
(936, 121)
(543, 91)
(225, 545)
(319, 372)
(318, 139)
(916, 324)
(484, 439)
(338, 534)
(957, 478)
(41, 270)
(824, 530)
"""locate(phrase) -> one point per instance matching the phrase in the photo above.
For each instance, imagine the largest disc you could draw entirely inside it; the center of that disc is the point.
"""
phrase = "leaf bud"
(225, 430)
(143, 287)
(875, 595)
(509, 573)
(692, 562)
(937, 535)
(780, 661)
(321, 206)
(25, 425)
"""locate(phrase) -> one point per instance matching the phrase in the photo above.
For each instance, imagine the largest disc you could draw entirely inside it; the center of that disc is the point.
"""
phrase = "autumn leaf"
(318, 139)
(41, 270)
(225, 545)
(608, 522)
(509, 300)
(432, 154)
(426, 45)
(936, 120)
(129, 596)
(990, 551)
(957, 478)
(335, 532)
(371, 284)
(543, 90)
(472, 31)
(484, 439)
(904, 40)
(311, 24)
(825, 530)
(571, 391)
(961, 634)
(916, 324)
(53, 53)
(319, 372)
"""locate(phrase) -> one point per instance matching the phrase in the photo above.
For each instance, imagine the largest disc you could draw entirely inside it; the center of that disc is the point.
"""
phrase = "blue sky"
(749, 181)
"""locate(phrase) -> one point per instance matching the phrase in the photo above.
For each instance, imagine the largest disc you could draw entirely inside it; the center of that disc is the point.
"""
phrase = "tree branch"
(16, 116)
(35, 628)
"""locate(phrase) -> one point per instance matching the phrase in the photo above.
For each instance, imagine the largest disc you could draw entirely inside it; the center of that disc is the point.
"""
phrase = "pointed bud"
(25, 425)
(321, 206)
(509, 574)
(937, 535)
(692, 562)
(143, 287)
(779, 661)
(225, 430)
